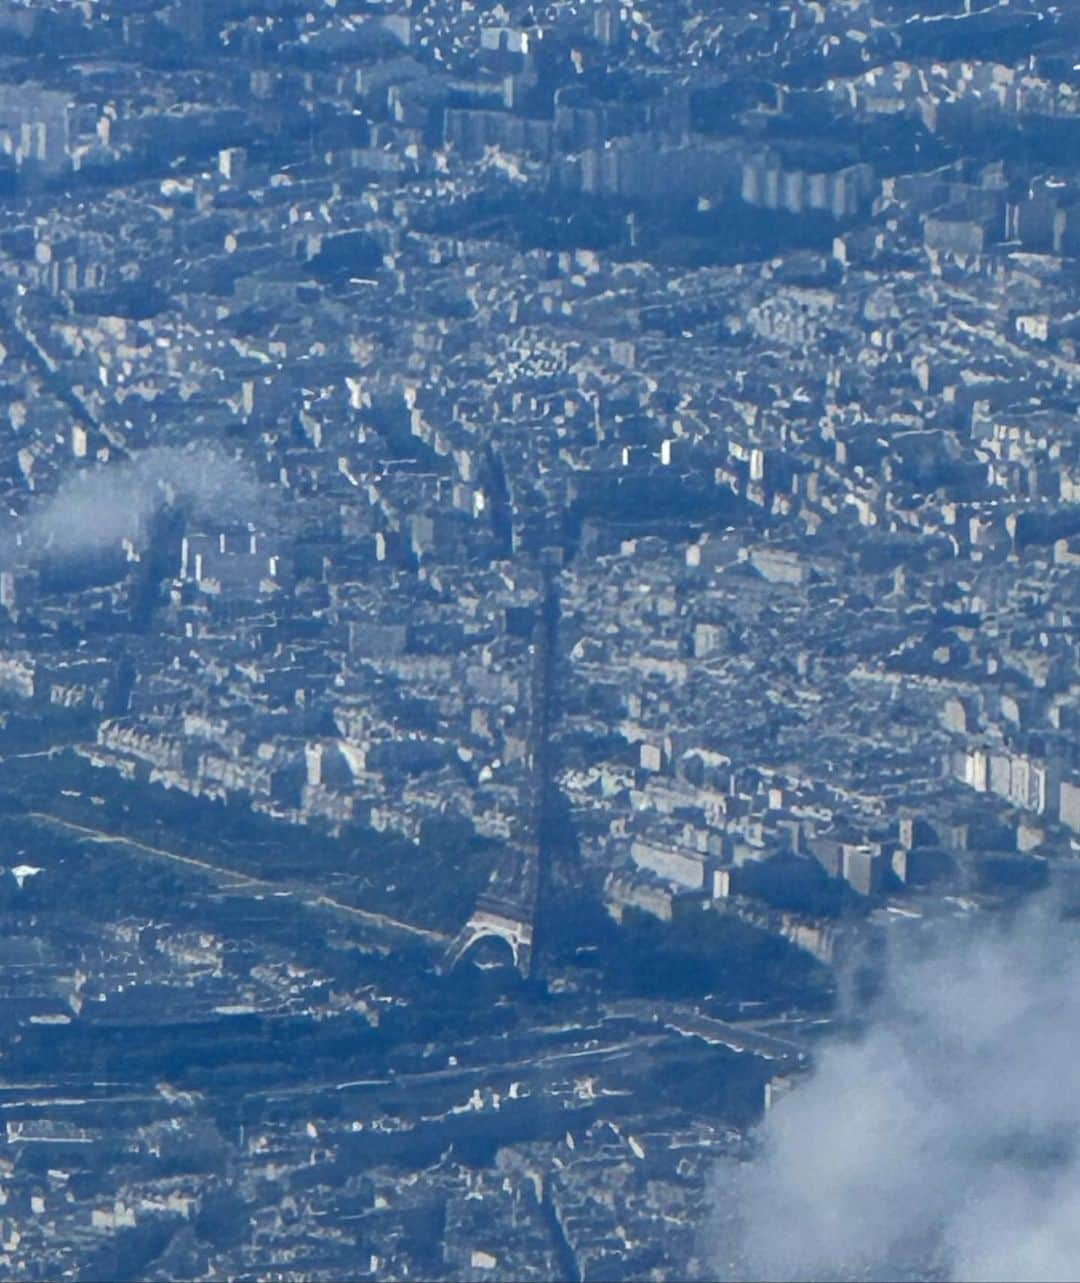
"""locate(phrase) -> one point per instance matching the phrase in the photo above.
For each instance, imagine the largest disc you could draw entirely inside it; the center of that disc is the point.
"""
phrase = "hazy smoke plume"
(94, 510)
(943, 1144)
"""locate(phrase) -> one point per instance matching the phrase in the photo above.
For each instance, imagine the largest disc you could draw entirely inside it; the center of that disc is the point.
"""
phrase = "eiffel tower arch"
(490, 919)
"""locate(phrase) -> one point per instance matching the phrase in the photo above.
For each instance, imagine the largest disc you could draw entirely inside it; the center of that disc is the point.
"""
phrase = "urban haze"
(539, 640)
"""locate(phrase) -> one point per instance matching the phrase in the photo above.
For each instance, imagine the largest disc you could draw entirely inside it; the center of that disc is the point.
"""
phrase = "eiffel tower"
(506, 908)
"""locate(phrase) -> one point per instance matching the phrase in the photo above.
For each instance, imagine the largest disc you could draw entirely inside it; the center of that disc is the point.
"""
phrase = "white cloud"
(943, 1142)
(94, 510)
